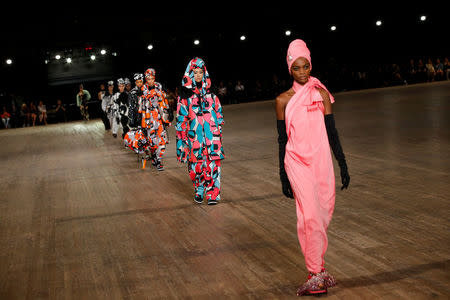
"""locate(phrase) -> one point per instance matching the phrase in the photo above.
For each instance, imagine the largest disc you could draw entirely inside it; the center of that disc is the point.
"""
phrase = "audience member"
(42, 112)
(439, 69)
(6, 116)
(446, 68)
(60, 112)
(431, 73)
(239, 91)
(412, 72)
(33, 112)
(222, 92)
(24, 116)
(421, 71)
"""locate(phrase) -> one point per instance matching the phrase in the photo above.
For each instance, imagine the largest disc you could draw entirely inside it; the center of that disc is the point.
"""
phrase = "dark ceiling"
(31, 35)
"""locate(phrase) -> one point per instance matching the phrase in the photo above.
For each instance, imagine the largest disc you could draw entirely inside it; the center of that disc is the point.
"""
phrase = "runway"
(79, 219)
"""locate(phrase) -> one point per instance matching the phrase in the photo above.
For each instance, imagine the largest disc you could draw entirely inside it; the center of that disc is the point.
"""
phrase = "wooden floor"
(80, 220)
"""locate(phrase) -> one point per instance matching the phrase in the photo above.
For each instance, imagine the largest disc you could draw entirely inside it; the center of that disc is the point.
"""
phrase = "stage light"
(288, 33)
(196, 42)
(92, 57)
(423, 18)
(150, 47)
(243, 37)
(68, 60)
(9, 61)
(46, 61)
(378, 23)
(103, 52)
(58, 56)
(114, 54)
(333, 28)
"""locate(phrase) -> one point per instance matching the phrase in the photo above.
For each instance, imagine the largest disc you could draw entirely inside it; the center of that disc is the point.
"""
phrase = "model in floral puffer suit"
(199, 132)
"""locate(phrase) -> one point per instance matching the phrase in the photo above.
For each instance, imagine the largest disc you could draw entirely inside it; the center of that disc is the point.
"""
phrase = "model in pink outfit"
(306, 131)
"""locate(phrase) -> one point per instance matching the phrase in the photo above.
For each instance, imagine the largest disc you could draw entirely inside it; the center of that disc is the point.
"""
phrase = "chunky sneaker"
(327, 278)
(315, 285)
(212, 202)
(198, 199)
(154, 161)
(159, 166)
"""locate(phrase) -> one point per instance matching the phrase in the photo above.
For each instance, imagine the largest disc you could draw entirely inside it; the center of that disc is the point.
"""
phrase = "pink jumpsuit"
(309, 167)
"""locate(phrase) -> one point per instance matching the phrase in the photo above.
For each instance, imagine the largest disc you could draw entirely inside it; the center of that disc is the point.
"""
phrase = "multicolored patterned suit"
(136, 140)
(153, 118)
(199, 133)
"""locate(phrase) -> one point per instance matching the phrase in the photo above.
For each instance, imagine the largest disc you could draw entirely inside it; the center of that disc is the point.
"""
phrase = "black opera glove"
(282, 141)
(335, 145)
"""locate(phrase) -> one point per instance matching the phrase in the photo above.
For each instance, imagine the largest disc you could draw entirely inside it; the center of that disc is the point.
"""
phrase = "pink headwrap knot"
(297, 48)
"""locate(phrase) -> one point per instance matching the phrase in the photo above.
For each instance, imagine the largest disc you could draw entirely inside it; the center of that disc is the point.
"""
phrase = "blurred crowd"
(20, 112)
(16, 112)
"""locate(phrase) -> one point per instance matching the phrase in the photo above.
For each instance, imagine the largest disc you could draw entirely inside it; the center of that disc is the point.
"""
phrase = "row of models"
(306, 132)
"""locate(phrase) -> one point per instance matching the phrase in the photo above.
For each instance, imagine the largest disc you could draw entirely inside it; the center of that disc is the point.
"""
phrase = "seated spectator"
(5, 117)
(284, 85)
(33, 112)
(421, 71)
(231, 92)
(439, 69)
(222, 92)
(171, 100)
(239, 89)
(42, 112)
(396, 75)
(431, 73)
(446, 68)
(276, 90)
(258, 90)
(60, 112)
(24, 116)
(14, 117)
(412, 72)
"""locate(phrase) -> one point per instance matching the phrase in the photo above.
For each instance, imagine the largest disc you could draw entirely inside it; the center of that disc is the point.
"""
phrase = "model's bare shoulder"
(281, 102)
(284, 97)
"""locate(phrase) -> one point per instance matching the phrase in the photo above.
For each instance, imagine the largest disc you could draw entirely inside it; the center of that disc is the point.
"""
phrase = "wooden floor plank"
(79, 219)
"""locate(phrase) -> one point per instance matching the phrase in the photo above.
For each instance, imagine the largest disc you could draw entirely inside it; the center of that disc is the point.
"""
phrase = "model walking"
(136, 139)
(101, 94)
(306, 131)
(114, 107)
(152, 120)
(136, 94)
(108, 101)
(199, 132)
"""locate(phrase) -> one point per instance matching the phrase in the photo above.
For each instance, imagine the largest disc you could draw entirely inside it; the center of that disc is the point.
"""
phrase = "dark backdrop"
(30, 37)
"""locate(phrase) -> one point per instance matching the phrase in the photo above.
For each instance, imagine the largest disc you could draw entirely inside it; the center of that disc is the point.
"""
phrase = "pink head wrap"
(297, 48)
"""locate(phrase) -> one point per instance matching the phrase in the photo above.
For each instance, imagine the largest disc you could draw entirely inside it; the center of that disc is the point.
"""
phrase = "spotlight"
(333, 28)
(243, 37)
(103, 52)
(114, 53)
(196, 42)
(68, 60)
(378, 23)
(46, 61)
(288, 33)
(58, 56)
(150, 47)
(92, 57)
(9, 61)
(423, 18)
